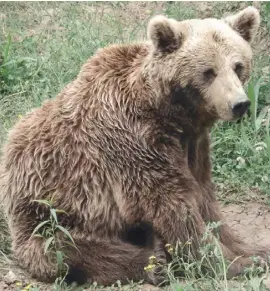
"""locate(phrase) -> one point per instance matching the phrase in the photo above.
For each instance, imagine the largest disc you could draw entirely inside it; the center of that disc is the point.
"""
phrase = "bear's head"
(207, 60)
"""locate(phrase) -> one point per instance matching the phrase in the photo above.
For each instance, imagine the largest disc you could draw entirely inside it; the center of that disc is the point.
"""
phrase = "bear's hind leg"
(91, 261)
(30, 256)
(106, 262)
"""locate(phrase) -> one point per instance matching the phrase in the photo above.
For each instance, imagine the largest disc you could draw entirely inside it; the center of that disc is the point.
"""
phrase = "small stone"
(3, 286)
(10, 277)
(51, 11)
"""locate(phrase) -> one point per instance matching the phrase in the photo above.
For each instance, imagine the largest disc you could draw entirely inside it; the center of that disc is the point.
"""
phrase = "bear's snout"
(240, 107)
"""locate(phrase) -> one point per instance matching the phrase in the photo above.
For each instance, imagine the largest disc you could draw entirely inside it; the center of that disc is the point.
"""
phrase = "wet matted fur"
(127, 143)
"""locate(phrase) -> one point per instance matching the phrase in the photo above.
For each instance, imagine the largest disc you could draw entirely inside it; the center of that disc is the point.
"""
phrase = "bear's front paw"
(264, 256)
(237, 268)
(240, 266)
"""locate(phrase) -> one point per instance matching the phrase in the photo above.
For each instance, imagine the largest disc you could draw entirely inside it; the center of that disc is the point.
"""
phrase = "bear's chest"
(193, 153)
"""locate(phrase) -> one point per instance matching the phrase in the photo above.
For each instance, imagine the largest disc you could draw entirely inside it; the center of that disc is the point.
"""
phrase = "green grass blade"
(53, 213)
(48, 243)
(253, 95)
(7, 49)
(261, 116)
(61, 211)
(66, 232)
(39, 226)
(59, 258)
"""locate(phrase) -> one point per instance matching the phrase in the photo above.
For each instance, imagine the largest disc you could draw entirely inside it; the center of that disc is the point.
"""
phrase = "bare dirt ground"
(250, 221)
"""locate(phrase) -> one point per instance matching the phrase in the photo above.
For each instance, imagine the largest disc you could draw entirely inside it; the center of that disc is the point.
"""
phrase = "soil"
(250, 221)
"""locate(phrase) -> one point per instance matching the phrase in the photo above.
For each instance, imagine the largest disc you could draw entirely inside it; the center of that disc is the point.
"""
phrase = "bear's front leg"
(199, 158)
(177, 218)
(171, 206)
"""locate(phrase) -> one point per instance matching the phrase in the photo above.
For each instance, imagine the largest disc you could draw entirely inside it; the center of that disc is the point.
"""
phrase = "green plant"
(253, 94)
(56, 237)
(13, 70)
(5, 58)
(210, 271)
(261, 119)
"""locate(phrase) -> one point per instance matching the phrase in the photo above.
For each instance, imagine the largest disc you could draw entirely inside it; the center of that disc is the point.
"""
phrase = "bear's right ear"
(245, 23)
(162, 32)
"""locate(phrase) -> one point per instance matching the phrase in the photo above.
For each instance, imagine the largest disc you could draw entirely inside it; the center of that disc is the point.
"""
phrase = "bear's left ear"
(245, 22)
(164, 34)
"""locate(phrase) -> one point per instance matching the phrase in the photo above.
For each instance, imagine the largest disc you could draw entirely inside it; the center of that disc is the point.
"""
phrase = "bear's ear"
(164, 34)
(245, 22)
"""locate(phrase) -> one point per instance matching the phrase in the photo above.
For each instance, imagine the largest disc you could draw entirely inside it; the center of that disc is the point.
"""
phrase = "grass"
(49, 231)
(44, 44)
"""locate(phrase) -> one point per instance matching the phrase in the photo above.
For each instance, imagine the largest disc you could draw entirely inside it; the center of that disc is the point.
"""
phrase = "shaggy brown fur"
(127, 142)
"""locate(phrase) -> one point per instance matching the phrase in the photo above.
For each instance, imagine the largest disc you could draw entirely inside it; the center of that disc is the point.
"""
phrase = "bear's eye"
(209, 74)
(238, 68)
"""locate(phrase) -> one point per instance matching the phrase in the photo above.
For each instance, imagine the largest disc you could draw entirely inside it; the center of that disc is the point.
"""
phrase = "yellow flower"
(18, 283)
(152, 260)
(149, 267)
(27, 287)
(19, 116)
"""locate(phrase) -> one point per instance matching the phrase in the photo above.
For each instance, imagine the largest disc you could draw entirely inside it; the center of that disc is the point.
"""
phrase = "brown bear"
(126, 144)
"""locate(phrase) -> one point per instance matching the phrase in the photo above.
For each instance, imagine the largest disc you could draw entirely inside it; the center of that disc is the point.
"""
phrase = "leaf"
(66, 232)
(252, 98)
(59, 258)
(61, 211)
(15, 61)
(39, 226)
(246, 139)
(72, 245)
(48, 232)
(253, 95)
(38, 235)
(268, 145)
(261, 116)
(267, 136)
(43, 202)
(48, 243)
(53, 213)
(7, 49)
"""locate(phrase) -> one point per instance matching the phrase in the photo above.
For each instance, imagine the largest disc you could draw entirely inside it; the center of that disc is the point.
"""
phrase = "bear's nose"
(241, 107)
